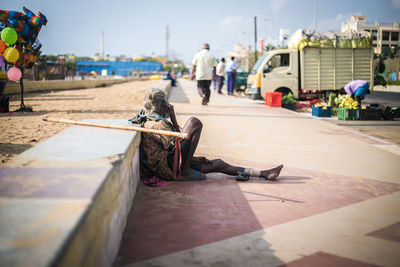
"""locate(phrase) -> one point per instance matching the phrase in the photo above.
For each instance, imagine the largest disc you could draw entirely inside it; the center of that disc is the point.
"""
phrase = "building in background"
(383, 34)
(261, 45)
(242, 54)
(121, 68)
(284, 35)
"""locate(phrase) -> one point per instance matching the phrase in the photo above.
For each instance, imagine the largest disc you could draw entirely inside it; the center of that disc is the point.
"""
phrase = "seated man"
(170, 158)
(356, 89)
(169, 76)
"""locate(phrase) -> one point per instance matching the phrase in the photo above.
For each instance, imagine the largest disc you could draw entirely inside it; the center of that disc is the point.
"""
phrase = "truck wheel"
(284, 91)
(255, 97)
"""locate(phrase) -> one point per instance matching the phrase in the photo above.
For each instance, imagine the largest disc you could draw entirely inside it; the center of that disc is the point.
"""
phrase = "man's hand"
(171, 110)
(193, 72)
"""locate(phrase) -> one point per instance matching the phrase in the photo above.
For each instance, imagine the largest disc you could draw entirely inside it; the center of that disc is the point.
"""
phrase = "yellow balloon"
(11, 54)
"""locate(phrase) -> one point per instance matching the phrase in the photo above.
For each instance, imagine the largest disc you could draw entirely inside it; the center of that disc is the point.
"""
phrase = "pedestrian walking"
(231, 71)
(214, 80)
(203, 67)
(220, 72)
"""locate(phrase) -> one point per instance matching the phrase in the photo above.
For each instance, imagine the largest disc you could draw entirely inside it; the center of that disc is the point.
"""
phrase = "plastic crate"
(273, 99)
(321, 112)
(396, 112)
(289, 106)
(371, 114)
(348, 114)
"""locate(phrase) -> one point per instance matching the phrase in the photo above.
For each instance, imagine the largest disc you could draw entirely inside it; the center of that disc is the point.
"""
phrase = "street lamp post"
(255, 38)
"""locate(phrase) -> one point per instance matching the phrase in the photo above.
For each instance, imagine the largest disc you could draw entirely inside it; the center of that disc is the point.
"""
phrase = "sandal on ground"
(197, 176)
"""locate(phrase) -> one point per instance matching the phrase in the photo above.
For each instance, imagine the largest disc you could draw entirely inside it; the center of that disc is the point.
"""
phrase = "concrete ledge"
(387, 88)
(37, 86)
(65, 201)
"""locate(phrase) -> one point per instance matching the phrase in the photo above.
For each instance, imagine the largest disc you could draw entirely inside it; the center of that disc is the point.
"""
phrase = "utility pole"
(167, 43)
(255, 38)
(315, 14)
(102, 45)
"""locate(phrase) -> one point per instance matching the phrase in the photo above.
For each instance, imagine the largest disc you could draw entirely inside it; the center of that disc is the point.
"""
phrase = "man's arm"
(193, 72)
(173, 117)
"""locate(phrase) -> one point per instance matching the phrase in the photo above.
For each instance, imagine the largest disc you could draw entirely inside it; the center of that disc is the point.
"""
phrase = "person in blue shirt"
(231, 71)
(169, 76)
(356, 89)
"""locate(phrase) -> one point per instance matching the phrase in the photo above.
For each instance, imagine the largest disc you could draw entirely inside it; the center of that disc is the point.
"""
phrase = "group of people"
(207, 69)
(170, 158)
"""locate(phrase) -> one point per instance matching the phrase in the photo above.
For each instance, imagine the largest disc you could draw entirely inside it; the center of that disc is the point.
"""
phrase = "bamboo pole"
(118, 127)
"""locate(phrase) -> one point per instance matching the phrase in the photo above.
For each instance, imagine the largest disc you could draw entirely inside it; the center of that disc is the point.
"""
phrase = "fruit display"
(345, 101)
(348, 114)
(288, 99)
(321, 110)
(321, 105)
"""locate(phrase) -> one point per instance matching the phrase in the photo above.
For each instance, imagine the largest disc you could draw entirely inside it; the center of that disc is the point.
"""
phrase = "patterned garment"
(156, 148)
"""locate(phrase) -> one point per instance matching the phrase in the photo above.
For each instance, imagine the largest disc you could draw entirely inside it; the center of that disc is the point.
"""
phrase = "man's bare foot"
(192, 175)
(271, 174)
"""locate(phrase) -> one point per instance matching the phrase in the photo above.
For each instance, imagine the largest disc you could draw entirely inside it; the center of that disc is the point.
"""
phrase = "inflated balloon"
(2, 46)
(14, 74)
(1, 61)
(9, 35)
(11, 54)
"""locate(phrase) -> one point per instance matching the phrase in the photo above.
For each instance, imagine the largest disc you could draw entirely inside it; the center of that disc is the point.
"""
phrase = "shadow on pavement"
(185, 215)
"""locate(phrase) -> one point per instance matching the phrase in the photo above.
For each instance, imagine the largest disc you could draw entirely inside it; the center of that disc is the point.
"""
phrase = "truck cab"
(275, 71)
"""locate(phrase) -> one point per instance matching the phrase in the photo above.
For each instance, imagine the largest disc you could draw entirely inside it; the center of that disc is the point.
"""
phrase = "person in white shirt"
(231, 71)
(203, 66)
(220, 75)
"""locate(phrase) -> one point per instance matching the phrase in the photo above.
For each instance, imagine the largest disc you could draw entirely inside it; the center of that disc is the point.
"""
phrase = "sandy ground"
(23, 130)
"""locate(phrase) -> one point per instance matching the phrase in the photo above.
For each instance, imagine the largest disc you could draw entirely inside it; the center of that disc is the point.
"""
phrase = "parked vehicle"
(240, 81)
(311, 71)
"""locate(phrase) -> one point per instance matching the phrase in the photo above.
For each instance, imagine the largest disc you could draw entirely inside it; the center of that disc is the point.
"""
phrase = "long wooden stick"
(118, 127)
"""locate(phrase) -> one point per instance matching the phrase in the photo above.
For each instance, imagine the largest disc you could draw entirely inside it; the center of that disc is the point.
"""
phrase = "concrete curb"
(82, 183)
(53, 85)
(388, 88)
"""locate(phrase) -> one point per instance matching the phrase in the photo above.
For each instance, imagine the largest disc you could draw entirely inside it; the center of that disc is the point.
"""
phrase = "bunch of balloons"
(19, 45)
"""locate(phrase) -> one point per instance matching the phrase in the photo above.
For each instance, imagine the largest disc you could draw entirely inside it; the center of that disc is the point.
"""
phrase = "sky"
(137, 28)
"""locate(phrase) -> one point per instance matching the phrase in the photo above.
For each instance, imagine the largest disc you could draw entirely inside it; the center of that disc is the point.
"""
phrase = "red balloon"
(2, 46)
(14, 74)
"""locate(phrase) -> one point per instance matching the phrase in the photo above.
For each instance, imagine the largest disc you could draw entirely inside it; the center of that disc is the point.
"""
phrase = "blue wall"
(117, 67)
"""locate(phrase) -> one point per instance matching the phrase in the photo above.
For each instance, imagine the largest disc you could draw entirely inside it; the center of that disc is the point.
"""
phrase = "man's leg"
(220, 83)
(200, 88)
(207, 92)
(193, 127)
(230, 83)
(218, 165)
(233, 83)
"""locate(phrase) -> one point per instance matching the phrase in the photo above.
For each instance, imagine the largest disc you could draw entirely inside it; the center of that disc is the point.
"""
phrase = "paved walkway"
(335, 204)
